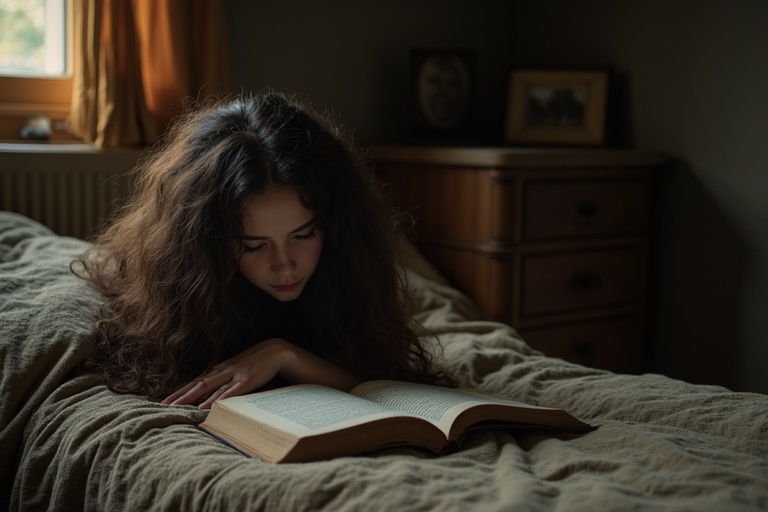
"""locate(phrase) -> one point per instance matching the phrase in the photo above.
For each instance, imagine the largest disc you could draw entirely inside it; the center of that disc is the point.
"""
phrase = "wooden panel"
(405, 185)
(456, 200)
(585, 208)
(612, 343)
(502, 207)
(487, 280)
(450, 203)
(562, 282)
(502, 284)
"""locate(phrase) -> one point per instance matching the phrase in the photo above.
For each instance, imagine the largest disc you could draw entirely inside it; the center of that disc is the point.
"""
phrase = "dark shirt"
(268, 318)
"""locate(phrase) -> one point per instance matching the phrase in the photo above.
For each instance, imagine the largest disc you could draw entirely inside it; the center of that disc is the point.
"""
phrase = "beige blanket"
(67, 443)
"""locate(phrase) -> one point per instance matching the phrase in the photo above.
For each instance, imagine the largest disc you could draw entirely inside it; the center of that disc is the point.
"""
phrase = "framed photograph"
(442, 83)
(557, 107)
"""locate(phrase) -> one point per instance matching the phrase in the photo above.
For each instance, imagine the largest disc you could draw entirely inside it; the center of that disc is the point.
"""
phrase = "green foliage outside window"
(32, 37)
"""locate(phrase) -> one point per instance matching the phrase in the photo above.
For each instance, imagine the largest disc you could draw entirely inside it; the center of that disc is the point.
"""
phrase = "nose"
(283, 262)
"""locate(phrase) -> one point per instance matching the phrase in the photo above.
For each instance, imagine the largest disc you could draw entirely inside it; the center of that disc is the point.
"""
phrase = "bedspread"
(68, 443)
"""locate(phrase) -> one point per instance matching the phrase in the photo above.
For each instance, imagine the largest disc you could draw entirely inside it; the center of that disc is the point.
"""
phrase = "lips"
(285, 288)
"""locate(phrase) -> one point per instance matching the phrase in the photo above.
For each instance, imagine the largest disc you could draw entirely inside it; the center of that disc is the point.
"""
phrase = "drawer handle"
(585, 281)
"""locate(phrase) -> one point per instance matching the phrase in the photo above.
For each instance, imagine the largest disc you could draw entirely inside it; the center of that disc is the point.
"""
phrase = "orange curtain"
(136, 63)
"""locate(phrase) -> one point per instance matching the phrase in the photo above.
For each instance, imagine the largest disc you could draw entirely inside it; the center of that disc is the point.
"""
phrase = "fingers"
(212, 387)
(175, 395)
(233, 389)
(198, 389)
(240, 374)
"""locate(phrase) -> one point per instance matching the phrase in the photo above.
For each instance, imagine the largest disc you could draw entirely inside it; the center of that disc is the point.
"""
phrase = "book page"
(438, 405)
(435, 404)
(308, 409)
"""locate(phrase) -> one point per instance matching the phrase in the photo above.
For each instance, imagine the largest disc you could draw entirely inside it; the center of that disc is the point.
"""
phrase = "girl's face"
(281, 243)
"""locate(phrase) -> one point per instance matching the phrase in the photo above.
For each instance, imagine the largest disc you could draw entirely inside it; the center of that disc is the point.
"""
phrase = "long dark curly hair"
(167, 267)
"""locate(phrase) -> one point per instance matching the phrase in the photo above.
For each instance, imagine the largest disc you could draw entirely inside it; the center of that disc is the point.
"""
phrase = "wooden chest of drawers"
(552, 242)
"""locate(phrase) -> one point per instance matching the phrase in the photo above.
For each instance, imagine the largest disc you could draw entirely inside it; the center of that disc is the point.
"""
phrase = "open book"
(309, 422)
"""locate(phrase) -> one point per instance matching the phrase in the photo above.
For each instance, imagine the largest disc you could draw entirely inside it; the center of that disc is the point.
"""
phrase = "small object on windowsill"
(37, 128)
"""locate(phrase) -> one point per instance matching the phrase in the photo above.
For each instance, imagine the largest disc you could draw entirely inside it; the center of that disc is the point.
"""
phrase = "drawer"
(567, 282)
(614, 344)
(584, 208)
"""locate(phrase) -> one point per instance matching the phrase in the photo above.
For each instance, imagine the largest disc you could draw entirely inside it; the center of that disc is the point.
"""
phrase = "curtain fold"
(136, 63)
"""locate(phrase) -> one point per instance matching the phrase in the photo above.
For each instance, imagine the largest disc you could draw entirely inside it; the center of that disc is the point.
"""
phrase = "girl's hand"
(248, 370)
(255, 367)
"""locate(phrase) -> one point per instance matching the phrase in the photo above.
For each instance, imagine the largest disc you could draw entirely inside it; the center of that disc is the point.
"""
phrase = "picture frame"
(442, 93)
(557, 106)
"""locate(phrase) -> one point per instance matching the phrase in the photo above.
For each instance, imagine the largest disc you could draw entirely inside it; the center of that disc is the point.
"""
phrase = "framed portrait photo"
(442, 91)
(557, 107)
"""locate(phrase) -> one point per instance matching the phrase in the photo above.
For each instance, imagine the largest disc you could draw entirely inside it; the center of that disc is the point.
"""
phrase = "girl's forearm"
(256, 366)
(300, 366)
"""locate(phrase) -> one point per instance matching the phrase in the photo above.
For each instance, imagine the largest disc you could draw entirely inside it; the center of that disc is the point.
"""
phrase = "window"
(34, 56)
(33, 38)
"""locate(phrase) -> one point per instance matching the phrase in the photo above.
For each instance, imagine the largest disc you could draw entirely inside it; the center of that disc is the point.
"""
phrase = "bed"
(68, 443)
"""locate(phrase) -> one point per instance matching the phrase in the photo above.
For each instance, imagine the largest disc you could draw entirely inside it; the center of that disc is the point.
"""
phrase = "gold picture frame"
(557, 107)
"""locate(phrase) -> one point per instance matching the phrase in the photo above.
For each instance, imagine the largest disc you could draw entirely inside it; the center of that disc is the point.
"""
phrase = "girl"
(256, 251)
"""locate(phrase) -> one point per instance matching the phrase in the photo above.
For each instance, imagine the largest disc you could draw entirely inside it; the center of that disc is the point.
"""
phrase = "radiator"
(73, 193)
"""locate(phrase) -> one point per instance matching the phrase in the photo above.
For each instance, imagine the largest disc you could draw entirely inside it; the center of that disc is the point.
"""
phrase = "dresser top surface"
(513, 157)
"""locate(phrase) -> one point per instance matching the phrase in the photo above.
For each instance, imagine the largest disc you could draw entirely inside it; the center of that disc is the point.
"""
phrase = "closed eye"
(255, 248)
(307, 236)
